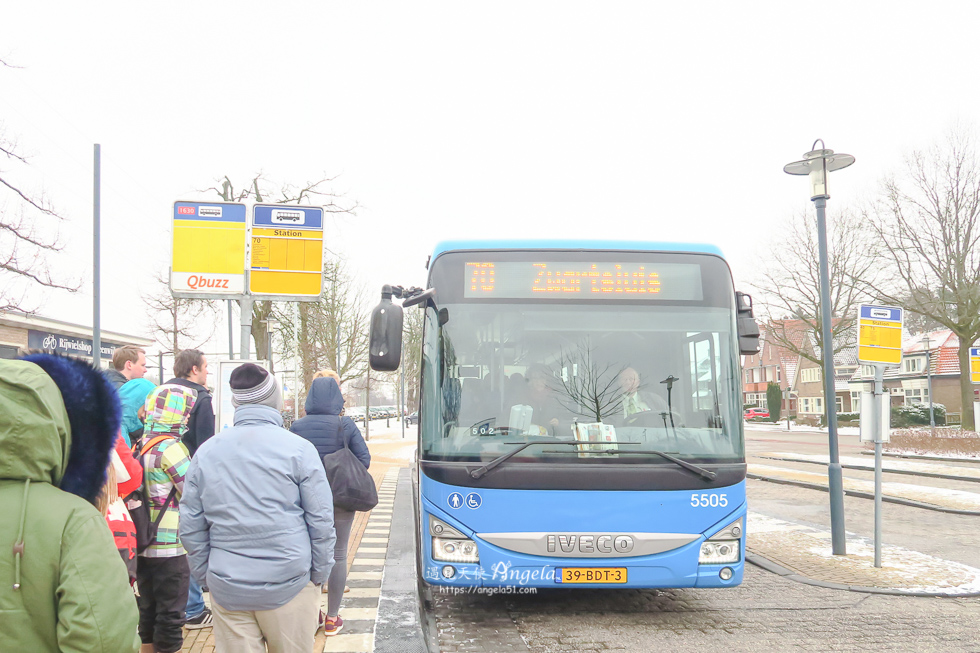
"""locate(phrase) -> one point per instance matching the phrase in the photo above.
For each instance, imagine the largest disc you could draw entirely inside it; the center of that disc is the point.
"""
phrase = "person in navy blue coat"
(328, 430)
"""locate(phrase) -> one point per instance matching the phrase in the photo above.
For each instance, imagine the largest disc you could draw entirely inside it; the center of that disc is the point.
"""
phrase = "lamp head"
(817, 164)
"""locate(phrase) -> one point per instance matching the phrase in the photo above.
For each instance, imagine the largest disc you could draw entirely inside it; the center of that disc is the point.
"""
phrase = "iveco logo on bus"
(570, 542)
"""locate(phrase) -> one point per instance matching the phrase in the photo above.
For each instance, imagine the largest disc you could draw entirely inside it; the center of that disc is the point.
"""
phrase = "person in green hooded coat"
(63, 586)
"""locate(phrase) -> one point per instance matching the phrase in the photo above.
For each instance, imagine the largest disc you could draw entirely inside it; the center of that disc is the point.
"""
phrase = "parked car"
(413, 418)
(756, 412)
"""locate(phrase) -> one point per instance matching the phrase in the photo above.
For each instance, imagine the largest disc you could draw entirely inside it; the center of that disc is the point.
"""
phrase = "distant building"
(20, 332)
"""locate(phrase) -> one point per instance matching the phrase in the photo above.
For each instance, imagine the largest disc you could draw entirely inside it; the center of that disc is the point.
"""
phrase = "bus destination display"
(582, 280)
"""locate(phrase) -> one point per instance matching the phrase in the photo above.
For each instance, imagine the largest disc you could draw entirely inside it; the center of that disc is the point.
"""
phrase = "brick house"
(772, 363)
(909, 383)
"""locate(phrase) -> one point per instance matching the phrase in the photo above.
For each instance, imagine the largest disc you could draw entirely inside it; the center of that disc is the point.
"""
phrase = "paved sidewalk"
(804, 553)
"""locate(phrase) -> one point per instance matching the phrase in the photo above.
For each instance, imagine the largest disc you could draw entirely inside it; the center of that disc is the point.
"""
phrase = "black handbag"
(350, 482)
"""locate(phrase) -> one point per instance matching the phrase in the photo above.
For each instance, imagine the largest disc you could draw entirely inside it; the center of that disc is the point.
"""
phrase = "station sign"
(880, 334)
(208, 248)
(975, 364)
(287, 250)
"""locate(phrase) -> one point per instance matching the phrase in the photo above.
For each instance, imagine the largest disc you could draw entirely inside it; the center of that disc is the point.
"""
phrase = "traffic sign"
(287, 250)
(880, 334)
(975, 364)
(208, 249)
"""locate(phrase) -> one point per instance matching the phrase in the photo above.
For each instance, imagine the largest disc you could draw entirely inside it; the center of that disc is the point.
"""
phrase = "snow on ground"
(799, 428)
(902, 569)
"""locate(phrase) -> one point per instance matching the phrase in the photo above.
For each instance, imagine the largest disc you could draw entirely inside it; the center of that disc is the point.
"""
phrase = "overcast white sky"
(504, 119)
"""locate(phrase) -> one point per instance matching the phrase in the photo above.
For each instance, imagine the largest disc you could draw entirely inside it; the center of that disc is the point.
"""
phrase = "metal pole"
(932, 415)
(246, 307)
(96, 260)
(834, 473)
(231, 332)
(367, 406)
(296, 367)
(878, 424)
(161, 367)
(404, 407)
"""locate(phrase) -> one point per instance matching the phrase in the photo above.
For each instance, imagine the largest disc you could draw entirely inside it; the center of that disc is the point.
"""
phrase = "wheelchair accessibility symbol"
(455, 500)
(473, 500)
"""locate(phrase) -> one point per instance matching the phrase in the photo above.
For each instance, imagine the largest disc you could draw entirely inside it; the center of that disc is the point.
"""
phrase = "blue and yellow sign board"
(975, 364)
(208, 248)
(287, 250)
(880, 334)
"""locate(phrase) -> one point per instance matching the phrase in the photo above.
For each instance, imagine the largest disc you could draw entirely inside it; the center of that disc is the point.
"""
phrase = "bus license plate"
(590, 575)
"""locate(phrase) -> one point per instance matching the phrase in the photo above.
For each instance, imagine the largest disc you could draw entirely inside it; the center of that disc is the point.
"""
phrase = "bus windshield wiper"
(700, 471)
(480, 472)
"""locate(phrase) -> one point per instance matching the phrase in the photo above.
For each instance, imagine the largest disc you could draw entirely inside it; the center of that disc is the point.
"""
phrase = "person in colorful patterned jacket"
(162, 573)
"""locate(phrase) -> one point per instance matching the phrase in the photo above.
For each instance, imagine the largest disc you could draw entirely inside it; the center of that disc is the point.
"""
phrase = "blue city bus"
(580, 420)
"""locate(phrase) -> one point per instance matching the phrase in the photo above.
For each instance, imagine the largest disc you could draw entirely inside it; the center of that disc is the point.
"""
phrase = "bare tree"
(928, 221)
(587, 388)
(412, 354)
(332, 332)
(173, 320)
(311, 193)
(28, 232)
(789, 285)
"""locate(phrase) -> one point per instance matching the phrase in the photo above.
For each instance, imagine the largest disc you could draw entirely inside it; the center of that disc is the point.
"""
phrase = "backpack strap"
(153, 442)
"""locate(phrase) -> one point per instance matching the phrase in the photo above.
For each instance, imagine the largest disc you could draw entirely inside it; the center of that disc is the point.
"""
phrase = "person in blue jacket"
(329, 431)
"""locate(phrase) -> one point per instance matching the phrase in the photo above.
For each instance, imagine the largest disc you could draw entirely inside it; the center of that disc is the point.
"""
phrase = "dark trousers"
(162, 584)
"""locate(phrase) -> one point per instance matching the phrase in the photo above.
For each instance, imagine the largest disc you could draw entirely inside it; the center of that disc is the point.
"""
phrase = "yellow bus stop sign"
(287, 250)
(975, 364)
(208, 248)
(880, 334)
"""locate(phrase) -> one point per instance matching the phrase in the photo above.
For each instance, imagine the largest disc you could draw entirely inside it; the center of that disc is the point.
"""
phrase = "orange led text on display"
(551, 278)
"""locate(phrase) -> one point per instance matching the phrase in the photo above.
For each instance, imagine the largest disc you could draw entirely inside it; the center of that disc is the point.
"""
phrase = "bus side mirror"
(748, 330)
(385, 341)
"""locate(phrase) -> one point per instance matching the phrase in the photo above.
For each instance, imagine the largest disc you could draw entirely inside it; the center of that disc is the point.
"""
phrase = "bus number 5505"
(706, 500)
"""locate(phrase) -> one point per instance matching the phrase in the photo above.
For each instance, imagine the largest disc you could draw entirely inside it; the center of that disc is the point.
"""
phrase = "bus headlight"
(719, 552)
(454, 550)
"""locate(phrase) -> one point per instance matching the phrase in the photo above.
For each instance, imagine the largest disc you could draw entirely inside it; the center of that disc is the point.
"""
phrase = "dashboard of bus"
(585, 377)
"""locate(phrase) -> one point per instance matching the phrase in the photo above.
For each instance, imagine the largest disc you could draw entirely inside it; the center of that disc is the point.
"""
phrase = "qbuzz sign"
(880, 334)
(208, 249)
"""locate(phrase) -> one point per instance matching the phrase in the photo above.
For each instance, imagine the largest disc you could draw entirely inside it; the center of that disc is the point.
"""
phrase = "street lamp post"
(817, 165)
(270, 324)
(926, 342)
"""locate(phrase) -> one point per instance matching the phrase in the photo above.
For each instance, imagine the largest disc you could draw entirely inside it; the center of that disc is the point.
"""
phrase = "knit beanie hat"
(251, 384)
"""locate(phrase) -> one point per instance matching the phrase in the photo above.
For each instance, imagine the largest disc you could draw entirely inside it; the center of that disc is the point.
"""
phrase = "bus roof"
(580, 245)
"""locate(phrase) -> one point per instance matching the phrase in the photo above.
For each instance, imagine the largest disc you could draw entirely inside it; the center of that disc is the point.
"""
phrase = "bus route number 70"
(713, 500)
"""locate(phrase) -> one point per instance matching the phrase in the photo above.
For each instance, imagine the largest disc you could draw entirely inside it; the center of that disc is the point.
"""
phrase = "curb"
(887, 454)
(779, 570)
(908, 472)
(401, 623)
(867, 495)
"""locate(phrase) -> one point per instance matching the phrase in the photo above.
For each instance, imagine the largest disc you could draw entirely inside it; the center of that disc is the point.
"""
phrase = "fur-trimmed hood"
(59, 418)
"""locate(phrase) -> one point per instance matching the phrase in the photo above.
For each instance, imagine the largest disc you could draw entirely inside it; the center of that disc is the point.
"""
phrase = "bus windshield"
(622, 377)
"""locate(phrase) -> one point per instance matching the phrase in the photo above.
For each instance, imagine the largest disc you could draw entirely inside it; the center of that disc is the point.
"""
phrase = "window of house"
(867, 371)
(916, 396)
(810, 375)
(779, 375)
(818, 402)
(913, 364)
(805, 405)
(840, 404)
(856, 402)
